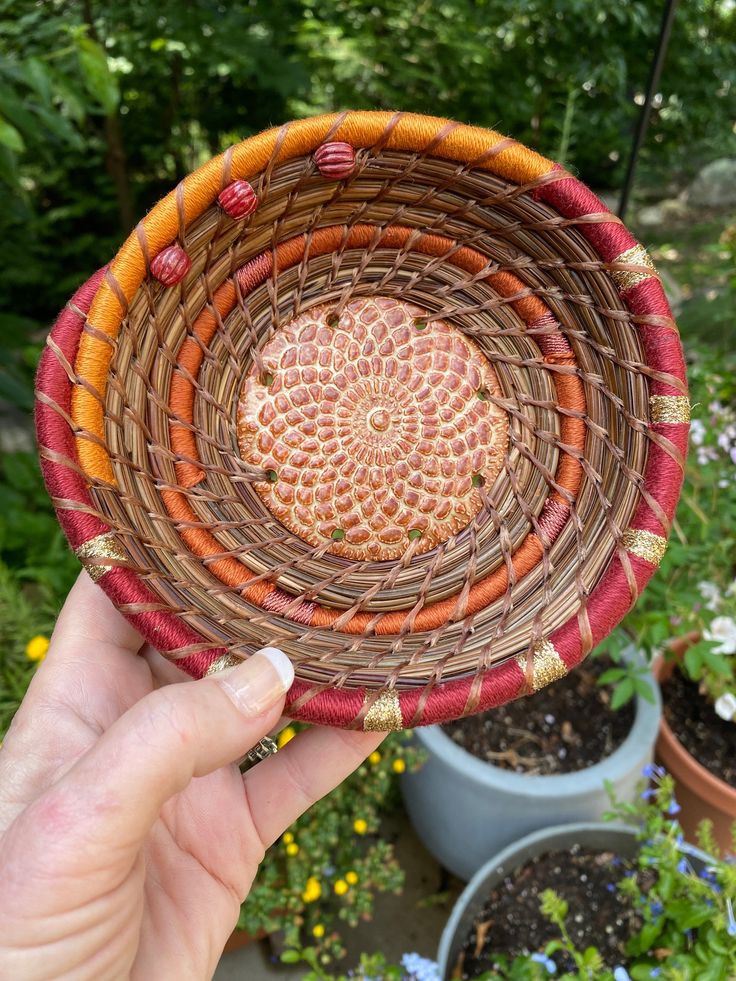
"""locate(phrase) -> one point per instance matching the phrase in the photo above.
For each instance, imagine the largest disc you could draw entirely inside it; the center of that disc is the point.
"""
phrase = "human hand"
(128, 837)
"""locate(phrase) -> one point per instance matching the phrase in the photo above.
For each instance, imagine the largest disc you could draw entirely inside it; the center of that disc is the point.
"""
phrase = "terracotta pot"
(699, 792)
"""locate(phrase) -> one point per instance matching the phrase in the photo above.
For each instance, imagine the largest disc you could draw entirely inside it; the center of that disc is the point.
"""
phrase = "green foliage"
(326, 869)
(688, 928)
(104, 107)
(31, 541)
(629, 678)
(23, 615)
(693, 592)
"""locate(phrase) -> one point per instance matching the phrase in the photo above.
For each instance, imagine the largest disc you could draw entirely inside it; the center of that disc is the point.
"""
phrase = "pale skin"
(128, 837)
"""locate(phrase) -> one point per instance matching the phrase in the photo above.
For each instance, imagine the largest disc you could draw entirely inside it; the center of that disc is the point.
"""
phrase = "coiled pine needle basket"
(392, 393)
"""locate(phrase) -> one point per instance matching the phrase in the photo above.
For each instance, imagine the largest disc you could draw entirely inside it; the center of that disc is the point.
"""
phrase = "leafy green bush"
(26, 621)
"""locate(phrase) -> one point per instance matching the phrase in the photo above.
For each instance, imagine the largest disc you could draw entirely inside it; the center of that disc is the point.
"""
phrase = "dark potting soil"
(511, 922)
(563, 728)
(710, 739)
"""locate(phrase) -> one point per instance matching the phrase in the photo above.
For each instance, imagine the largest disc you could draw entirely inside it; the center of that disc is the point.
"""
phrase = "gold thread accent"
(669, 408)
(547, 665)
(384, 715)
(645, 544)
(626, 278)
(104, 546)
(222, 662)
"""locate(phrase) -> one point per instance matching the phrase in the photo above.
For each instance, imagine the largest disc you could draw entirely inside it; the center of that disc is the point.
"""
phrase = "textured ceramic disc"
(376, 427)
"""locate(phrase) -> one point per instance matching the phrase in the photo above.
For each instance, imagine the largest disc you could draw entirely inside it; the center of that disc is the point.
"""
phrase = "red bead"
(238, 199)
(171, 265)
(335, 160)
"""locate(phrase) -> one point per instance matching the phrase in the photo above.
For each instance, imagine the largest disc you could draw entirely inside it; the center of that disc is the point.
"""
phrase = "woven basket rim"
(69, 456)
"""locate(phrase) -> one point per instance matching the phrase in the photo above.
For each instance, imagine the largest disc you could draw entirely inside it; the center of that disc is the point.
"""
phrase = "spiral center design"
(378, 429)
(379, 420)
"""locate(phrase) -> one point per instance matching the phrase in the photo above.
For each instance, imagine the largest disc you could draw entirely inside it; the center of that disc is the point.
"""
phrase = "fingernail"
(259, 682)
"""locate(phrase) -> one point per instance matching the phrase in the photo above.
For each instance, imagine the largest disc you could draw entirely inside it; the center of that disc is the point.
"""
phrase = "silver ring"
(261, 751)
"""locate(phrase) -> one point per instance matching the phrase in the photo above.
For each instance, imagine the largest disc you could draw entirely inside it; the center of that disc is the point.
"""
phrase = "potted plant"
(602, 901)
(630, 904)
(687, 616)
(467, 802)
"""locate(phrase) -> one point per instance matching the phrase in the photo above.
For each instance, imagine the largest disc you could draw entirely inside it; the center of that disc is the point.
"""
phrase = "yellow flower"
(287, 838)
(292, 849)
(398, 766)
(352, 877)
(312, 891)
(318, 931)
(285, 736)
(375, 757)
(36, 648)
(341, 887)
(360, 826)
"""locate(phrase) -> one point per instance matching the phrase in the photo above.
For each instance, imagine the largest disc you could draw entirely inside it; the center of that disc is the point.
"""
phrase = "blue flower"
(420, 968)
(621, 974)
(683, 866)
(656, 908)
(655, 972)
(651, 771)
(674, 807)
(546, 961)
(610, 887)
(648, 793)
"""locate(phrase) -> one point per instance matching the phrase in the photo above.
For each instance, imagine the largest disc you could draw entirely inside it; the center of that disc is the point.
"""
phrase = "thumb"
(107, 802)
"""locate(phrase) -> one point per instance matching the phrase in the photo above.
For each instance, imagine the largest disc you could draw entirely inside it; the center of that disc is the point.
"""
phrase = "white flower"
(710, 593)
(722, 631)
(697, 432)
(726, 706)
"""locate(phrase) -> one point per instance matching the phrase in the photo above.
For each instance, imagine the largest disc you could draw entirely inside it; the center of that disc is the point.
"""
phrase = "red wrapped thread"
(238, 200)
(335, 160)
(171, 265)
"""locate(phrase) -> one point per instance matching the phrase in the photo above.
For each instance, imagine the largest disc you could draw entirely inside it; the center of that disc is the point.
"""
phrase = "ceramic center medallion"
(378, 428)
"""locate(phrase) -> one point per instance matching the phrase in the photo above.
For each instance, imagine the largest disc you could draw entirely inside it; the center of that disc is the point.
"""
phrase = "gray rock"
(667, 210)
(715, 185)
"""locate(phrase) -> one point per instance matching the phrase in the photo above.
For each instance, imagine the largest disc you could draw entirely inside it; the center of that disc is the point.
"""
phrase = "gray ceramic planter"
(618, 838)
(465, 810)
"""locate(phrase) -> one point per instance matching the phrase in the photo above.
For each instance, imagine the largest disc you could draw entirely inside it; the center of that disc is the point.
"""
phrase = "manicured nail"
(259, 682)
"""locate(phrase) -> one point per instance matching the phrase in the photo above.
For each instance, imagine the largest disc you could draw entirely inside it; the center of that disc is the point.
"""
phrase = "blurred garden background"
(105, 107)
